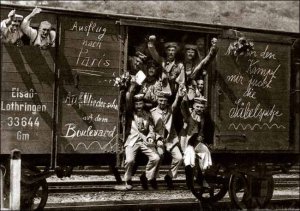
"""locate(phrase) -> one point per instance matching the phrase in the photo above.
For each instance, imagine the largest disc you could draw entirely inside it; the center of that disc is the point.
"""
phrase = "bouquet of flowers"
(241, 47)
(123, 81)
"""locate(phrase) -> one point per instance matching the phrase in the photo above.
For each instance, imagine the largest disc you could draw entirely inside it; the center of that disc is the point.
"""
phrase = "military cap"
(138, 97)
(163, 94)
(171, 44)
(45, 25)
(18, 18)
(141, 55)
(190, 46)
(200, 100)
(152, 63)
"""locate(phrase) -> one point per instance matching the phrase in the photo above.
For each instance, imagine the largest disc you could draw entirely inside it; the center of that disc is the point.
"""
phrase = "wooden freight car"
(60, 107)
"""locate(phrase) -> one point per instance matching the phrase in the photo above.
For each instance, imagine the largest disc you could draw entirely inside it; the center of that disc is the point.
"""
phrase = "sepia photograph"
(150, 105)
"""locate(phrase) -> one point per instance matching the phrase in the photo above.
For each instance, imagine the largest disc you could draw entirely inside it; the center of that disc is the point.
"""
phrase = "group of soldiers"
(164, 113)
(15, 27)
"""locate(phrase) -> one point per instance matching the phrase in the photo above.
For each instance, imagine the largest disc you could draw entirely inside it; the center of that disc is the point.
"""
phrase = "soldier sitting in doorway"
(192, 140)
(139, 136)
(166, 135)
(10, 29)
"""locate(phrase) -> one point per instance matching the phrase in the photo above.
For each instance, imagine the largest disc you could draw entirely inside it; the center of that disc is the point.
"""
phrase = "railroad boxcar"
(60, 106)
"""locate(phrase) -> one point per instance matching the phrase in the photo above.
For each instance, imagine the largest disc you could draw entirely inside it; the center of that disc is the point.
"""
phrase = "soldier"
(172, 70)
(166, 134)
(135, 64)
(151, 85)
(140, 136)
(44, 37)
(199, 69)
(10, 29)
(190, 60)
(195, 89)
(192, 139)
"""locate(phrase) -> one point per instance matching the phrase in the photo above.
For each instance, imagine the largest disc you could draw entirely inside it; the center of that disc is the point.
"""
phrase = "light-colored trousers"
(130, 155)
(176, 159)
(200, 152)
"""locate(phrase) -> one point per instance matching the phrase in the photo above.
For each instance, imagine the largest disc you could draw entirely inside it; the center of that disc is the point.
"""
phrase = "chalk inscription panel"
(89, 61)
(252, 97)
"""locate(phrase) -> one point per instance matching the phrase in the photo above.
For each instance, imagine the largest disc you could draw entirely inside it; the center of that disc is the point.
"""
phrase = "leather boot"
(200, 179)
(144, 181)
(169, 182)
(153, 183)
(189, 175)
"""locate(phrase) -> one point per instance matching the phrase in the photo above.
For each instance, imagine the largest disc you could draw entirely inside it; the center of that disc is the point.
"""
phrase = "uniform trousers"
(130, 155)
(200, 152)
(176, 159)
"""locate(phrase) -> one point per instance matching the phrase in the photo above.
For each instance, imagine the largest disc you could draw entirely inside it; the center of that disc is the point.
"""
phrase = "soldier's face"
(190, 54)
(14, 26)
(200, 84)
(198, 108)
(139, 105)
(200, 44)
(137, 63)
(162, 103)
(171, 53)
(151, 71)
(44, 32)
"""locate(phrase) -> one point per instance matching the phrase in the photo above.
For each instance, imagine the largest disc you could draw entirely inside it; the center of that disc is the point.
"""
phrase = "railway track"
(173, 204)
(94, 186)
(99, 183)
(100, 194)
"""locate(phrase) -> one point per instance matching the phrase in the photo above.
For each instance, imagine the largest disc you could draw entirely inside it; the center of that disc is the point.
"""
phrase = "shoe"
(169, 182)
(153, 184)
(144, 181)
(59, 172)
(123, 187)
(128, 186)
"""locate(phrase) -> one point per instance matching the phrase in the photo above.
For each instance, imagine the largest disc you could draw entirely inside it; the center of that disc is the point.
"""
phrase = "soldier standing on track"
(140, 136)
(192, 139)
(10, 29)
(166, 135)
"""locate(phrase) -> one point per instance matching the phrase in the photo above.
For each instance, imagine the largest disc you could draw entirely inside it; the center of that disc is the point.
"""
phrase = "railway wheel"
(34, 195)
(218, 186)
(41, 195)
(239, 191)
(249, 192)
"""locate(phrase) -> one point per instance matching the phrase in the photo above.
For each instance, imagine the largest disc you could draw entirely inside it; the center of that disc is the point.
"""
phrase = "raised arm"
(207, 60)
(25, 26)
(179, 95)
(153, 50)
(6, 22)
